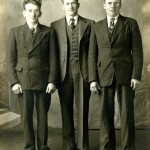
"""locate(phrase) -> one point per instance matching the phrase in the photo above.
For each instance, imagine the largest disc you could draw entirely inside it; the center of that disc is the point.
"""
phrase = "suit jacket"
(122, 55)
(31, 62)
(60, 44)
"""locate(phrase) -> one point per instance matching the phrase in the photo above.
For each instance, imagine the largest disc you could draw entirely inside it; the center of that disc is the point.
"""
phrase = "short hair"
(76, 1)
(35, 2)
(105, 0)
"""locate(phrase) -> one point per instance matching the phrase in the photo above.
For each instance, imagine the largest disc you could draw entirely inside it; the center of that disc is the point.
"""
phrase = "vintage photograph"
(74, 75)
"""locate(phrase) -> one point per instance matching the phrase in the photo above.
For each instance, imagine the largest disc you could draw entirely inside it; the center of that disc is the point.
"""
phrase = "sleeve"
(53, 58)
(137, 51)
(12, 58)
(92, 57)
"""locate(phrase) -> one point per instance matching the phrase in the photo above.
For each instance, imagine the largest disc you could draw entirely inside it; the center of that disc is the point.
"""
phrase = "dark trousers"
(125, 96)
(42, 103)
(74, 87)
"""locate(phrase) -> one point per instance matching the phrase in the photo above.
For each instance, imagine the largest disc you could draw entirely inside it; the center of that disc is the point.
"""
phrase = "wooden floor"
(15, 140)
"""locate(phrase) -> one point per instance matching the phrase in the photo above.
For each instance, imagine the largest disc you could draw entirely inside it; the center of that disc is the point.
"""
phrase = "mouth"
(112, 11)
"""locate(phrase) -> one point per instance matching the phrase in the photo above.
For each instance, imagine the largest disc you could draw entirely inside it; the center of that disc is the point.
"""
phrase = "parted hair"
(63, 1)
(105, 0)
(35, 2)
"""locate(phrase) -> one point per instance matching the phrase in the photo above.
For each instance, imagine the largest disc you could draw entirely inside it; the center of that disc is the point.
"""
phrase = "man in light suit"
(32, 70)
(72, 35)
(115, 64)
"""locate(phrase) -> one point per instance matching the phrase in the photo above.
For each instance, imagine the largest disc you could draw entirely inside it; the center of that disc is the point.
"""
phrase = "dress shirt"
(115, 20)
(31, 26)
(75, 18)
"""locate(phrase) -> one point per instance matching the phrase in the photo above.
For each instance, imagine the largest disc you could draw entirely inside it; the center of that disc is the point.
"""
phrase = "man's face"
(71, 7)
(32, 13)
(112, 7)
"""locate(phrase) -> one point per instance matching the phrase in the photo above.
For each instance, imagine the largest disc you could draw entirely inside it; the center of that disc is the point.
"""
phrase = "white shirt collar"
(31, 26)
(115, 19)
(75, 18)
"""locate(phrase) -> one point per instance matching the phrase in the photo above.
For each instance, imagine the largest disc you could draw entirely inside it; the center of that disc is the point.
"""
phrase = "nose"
(70, 5)
(33, 13)
(112, 4)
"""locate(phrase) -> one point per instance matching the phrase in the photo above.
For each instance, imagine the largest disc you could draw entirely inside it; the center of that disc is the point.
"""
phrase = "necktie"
(72, 24)
(33, 31)
(111, 25)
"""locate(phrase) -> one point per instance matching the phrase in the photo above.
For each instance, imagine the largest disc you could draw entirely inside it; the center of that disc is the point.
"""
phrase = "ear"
(120, 5)
(63, 8)
(78, 5)
(24, 13)
(104, 6)
(40, 13)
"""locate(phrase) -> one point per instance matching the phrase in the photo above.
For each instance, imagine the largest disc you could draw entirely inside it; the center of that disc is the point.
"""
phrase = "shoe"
(70, 148)
(83, 149)
(47, 148)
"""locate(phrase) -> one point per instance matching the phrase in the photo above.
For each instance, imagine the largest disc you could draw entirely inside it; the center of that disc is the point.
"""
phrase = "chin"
(33, 21)
(112, 15)
(71, 14)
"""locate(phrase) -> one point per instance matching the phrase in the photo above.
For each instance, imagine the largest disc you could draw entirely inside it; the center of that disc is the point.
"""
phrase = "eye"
(67, 3)
(74, 3)
(109, 3)
(29, 10)
(117, 3)
(36, 11)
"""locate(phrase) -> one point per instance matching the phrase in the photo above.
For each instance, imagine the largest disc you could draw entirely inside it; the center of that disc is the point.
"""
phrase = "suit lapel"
(40, 34)
(82, 27)
(118, 28)
(63, 31)
(105, 29)
(26, 35)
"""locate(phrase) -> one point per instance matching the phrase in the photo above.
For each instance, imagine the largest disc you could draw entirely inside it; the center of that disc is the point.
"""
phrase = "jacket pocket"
(45, 39)
(99, 64)
(129, 61)
(19, 68)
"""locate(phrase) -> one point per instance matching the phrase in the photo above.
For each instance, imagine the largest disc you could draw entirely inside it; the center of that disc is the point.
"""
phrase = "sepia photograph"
(74, 75)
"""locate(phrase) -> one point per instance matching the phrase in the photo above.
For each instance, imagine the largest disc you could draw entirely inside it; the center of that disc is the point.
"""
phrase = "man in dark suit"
(115, 63)
(72, 35)
(32, 71)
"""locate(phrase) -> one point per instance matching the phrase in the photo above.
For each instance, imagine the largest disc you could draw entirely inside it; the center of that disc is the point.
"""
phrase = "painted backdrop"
(11, 16)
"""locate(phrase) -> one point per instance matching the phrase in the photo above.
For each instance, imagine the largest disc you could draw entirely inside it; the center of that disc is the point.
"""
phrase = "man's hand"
(94, 87)
(134, 83)
(17, 88)
(50, 88)
(148, 67)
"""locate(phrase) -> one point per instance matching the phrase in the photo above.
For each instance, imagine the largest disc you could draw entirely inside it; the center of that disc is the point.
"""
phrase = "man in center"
(72, 34)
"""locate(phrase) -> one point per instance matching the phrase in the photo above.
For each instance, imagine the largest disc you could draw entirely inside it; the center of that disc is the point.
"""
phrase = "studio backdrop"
(11, 16)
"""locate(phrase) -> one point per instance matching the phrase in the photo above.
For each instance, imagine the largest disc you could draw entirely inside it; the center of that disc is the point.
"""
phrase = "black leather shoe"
(84, 149)
(70, 148)
(47, 148)
(32, 149)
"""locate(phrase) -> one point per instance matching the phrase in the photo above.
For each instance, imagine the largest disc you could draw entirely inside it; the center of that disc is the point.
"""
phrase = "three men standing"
(115, 63)
(37, 55)
(72, 36)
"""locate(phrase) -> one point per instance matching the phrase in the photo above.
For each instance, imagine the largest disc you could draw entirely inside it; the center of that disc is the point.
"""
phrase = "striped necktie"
(111, 25)
(72, 23)
(33, 31)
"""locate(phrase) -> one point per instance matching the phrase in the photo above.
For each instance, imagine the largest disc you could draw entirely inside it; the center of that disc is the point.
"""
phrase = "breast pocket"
(45, 39)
